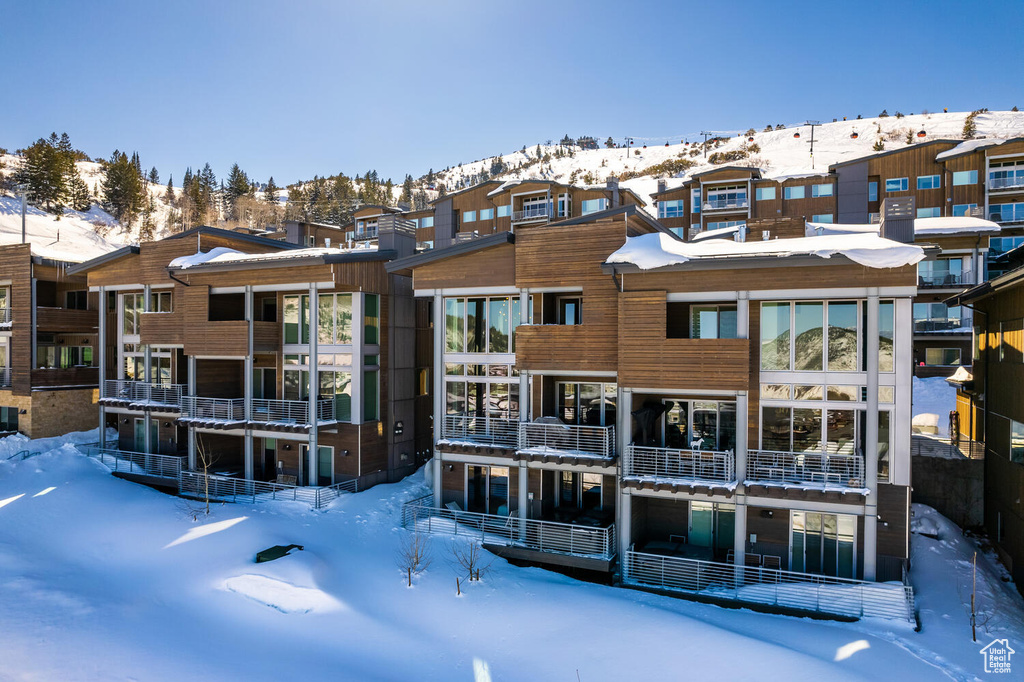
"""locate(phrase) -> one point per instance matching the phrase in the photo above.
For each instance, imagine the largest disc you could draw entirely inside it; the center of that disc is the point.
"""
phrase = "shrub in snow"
(468, 558)
(413, 555)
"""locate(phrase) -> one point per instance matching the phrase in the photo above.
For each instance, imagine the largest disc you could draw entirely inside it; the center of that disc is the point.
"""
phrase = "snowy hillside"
(75, 238)
(105, 579)
(778, 153)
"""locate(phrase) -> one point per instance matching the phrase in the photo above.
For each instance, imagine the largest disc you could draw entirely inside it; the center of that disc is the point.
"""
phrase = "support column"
(101, 353)
(248, 387)
(147, 377)
(623, 509)
(358, 353)
(624, 527)
(312, 472)
(739, 544)
(524, 497)
(437, 379)
(871, 440)
(191, 429)
(742, 314)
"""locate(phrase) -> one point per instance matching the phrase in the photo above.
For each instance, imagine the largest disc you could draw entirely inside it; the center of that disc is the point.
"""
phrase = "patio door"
(140, 435)
(823, 544)
(487, 490)
(702, 524)
(324, 466)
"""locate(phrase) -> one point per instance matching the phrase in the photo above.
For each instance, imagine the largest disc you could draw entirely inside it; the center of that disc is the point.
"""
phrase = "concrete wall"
(955, 487)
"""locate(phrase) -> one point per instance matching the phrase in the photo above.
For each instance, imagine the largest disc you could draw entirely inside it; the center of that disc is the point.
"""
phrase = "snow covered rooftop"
(72, 239)
(922, 227)
(716, 234)
(658, 250)
(968, 146)
(222, 255)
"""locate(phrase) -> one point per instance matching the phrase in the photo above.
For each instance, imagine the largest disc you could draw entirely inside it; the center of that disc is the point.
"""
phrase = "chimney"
(897, 217)
(398, 234)
(613, 186)
(662, 185)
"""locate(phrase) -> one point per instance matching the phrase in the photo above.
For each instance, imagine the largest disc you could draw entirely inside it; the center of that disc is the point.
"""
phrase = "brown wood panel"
(486, 268)
(163, 329)
(73, 376)
(15, 265)
(64, 320)
(266, 336)
(575, 347)
(648, 359)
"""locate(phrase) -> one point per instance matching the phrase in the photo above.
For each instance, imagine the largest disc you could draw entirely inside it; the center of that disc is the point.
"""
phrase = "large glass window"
(929, 212)
(337, 385)
(775, 336)
(823, 544)
(131, 313)
(487, 214)
(455, 333)
(930, 317)
(1016, 442)
(587, 404)
(593, 205)
(942, 357)
(886, 335)
(498, 317)
(822, 218)
(929, 181)
(371, 319)
(481, 325)
(965, 177)
(842, 336)
(469, 216)
(503, 211)
(793, 192)
(476, 320)
(963, 209)
(765, 193)
(296, 319)
(808, 347)
(671, 209)
(1005, 174)
(822, 190)
(726, 197)
(897, 185)
(713, 322)
(1006, 213)
(334, 319)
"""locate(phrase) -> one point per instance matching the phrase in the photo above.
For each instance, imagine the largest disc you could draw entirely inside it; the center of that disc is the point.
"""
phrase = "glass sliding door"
(823, 544)
(487, 490)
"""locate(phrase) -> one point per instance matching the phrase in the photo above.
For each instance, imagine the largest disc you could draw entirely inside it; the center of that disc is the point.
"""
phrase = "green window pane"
(291, 319)
(343, 318)
(371, 318)
(370, 407)
(454, 312)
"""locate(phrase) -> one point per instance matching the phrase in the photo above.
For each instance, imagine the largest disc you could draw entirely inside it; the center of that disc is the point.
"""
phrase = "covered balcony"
(726, 203)
(533, 211)
(142, 395)
(806, 469)
(712, 468)
(281, 415)
(549, 439)
(493, 431)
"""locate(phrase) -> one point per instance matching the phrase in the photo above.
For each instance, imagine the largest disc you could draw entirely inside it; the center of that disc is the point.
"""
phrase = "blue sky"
(293, 89)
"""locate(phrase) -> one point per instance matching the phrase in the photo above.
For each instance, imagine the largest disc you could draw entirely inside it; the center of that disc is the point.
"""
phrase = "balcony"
(280, 415)
(66, 320)
(772, 587)
(143, 395)
(934, 280)
(482, 430)
(5, 318)
(366, 235)
(565, 441)
(693, 466)
(532, 213)
(805, 469)
(1015, 181)
(532, 537)
(65, 376)
(731, 204)
(5, 377)
(942, 325)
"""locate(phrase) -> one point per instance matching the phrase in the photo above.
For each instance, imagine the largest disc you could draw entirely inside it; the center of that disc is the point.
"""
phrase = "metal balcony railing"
(756, 585)
(1006, 213)
(532, 213)
(945, 279)
(365, 235)
(725, 204)
(5, 316)
(485, 430)
(140, 463)
(1011, 182)
(289, 411)
(5, 376)
(687, 465)
(168, 395)
(421, 516)
(805, 468)
(590, 441)
(941, 325)
(213, 409)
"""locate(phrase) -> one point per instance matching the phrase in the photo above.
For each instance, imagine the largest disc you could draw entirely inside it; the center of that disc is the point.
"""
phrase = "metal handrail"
(5, 316)
(488, 430)
(592, 441)
(144, 392)
(939, 279)
(142, 463)
(721, 204)
(544, 536)
(367, 233)
(289, 411)
(690, 465)
(787, 589)
(5, 376)
(214, 409)
(533, 212)
(230, 489)
(806, 468)
(1006, 183)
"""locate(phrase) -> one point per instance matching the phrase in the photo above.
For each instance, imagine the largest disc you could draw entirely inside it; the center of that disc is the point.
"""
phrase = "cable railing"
(420, 515)
(1006, 182)
(168, 395)
(786, 589)
(230, 489)
(6, 376)
(723, 204)
(688, 465)
(484, 430)
(5, 316)
(213, 409)
(289, 411)
(593, 441)
(141, 463)
(805, 468)
(532, 213)
(945, 279)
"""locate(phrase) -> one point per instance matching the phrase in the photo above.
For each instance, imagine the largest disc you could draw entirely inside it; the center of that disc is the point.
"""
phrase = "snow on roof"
(716, 234)
(72, 239)
(922, 226)
(968, 146)
(223, 255)
(650, 251)
(960, 376)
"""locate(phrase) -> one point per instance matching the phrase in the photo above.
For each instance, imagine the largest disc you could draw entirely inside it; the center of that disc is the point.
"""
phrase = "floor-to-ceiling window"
(824, 544)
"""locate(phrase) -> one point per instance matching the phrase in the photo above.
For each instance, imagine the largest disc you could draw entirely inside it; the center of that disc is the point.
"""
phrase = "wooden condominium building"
(258, 359)
(48, 339)
(995, 411)
(611, 398)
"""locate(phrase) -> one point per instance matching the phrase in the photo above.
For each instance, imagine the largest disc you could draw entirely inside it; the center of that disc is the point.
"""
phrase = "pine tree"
(609, 143)
(169, 194)
(970, 127)
(237, 186)
(45, 173)
(270, 192)
(122, 187)
(154, 177)
(78, 193)
(406, 196)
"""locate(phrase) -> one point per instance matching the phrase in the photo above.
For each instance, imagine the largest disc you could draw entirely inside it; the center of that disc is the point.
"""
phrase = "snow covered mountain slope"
(74, 238)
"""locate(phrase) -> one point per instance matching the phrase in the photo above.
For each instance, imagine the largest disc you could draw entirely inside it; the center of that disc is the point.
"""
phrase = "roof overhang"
(459, 249)
(103, 260)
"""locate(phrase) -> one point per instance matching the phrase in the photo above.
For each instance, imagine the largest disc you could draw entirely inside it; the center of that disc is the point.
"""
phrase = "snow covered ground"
(105, 579)
(933, 400)
(73, 238)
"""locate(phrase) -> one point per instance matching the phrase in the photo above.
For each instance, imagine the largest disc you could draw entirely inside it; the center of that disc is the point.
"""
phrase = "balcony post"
(524, 497)
(191, 428)
(147, 377)
(312, 475)
(625, 528)
(101, 352)
(437, 377)
(742, 315)
(871, 440)
(739, 542)
(358, 356)
(247, 383)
